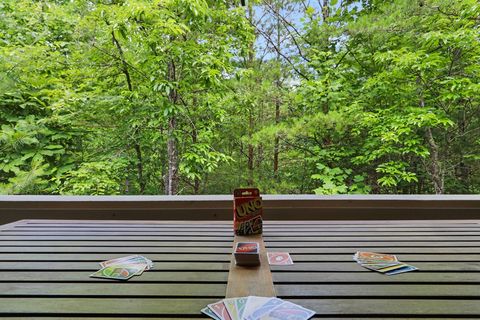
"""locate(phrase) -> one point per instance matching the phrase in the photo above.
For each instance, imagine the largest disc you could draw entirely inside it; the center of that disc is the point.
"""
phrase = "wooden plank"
(191, 307)
(386, 244)
(200, 233)
(6, 233)
(313, 239)
(114, 288)
(348, 266)
(102, 257)
(92, 266)
(105, 238)
(405, 257)
(278, 277)
(207, 243)
(11, 225)
(191, 244)
(377, 234)
(285, 229)
(129, 222)
(353, 278)
(208, 240)
(109, 318)
(250, 281)
(384, 249)
(136, 243)
(221, 257)
(118, 250)
(268, 224)
(284, 244)
(293, 250)
(82, 276)
(383, 307)
(161, 238)
(103, 306)
(377, 290)
(174, 290)
(196, 318)
(220, 207)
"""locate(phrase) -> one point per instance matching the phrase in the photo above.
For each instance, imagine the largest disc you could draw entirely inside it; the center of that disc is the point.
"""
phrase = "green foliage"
(111, 97)
(96, 178)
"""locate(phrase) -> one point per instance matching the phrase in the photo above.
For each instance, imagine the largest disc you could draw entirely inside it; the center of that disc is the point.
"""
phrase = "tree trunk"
(276, 141)
(436, 174)
(250, 150)
(171, 181)
(172, 172)
(196, 181)
(141, 181)
(250, 61)
(325, 10)
(436, 169)
(138, 152)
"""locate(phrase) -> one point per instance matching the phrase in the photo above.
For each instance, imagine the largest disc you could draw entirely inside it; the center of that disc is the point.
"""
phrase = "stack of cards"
(256, 308)
(383, 263)
(247, 254)
(123, 268)
(279, 258)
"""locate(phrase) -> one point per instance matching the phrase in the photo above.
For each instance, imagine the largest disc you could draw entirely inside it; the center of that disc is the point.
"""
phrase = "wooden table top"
(45, 267)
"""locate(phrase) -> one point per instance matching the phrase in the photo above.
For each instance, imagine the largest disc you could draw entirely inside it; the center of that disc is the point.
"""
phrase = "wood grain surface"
(250, 281)
(45, 266)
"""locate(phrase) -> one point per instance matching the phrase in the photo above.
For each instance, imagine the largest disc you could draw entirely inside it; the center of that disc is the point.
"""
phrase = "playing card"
(128, 260)
(117, 260)
(220, 310)
(279, 258)
(247, 247)
(240, 304)
(118, 272)
(373, 257)
(232, 308)
(265, 308)
(253, 303)
(406, 268)
(290, 311)
(210, 313)
(380, 267)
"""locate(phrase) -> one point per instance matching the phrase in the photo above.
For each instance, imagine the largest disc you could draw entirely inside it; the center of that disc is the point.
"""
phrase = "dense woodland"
(203, 96)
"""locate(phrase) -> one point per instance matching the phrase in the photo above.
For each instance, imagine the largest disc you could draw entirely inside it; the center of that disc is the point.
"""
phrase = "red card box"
(247, 212)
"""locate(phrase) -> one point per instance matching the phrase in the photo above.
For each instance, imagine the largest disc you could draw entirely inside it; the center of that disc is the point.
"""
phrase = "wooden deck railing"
(219, 207)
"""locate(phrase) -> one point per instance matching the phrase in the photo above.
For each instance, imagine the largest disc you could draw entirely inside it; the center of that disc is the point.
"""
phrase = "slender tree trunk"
(436, 169)
(196, 181)
(276, 146)
(136, 146)
(171, 181)
(325, 10)
(250, 150)
(250, 61)
(435, 164)
(141, 181)
(463, 171)
(276, 142)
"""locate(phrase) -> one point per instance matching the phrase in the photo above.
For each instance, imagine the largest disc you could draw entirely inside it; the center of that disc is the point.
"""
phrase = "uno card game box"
(247, 212)
(247, 254)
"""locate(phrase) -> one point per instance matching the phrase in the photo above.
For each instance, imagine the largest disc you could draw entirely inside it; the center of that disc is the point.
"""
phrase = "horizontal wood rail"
(219, 207)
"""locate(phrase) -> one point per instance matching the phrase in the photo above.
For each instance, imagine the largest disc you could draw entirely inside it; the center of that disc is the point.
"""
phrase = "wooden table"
(45, 266)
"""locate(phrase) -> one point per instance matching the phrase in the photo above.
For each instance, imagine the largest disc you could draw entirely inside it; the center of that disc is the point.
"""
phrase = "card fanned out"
(123, 268)
(384, 263)
(256, 308)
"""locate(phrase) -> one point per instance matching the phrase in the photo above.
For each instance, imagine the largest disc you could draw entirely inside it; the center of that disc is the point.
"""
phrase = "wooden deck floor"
(44, 268)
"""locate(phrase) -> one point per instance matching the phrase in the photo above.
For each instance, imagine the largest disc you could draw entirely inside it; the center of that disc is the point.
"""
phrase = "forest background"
(203, 96)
